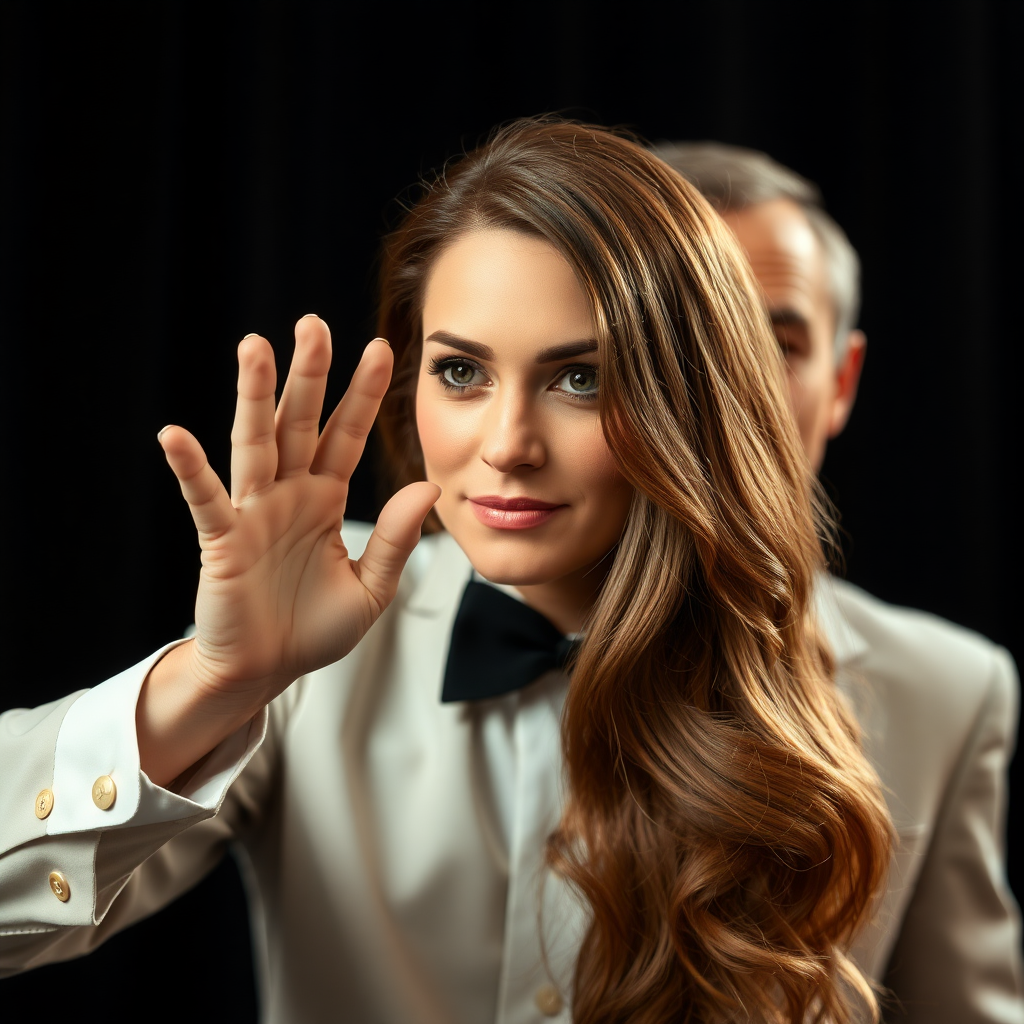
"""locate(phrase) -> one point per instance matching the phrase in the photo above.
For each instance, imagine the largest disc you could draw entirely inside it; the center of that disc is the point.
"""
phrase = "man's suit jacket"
(939, 709)
(394, 845)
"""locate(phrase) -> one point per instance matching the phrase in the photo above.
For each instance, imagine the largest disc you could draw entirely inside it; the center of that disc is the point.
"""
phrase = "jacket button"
(44, 803)
(104, 792)
(548, 1000)
(59, 886)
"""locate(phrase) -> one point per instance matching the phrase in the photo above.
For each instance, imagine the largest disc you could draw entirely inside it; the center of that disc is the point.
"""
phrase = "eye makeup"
(578, 383)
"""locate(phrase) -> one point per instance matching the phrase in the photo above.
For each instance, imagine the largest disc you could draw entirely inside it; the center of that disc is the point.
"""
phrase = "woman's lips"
(512, 513)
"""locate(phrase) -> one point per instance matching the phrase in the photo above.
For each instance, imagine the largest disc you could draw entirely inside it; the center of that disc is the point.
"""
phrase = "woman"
(586, 388)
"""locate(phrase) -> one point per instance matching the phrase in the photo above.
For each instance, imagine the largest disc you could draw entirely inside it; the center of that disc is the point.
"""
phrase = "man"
(938, 704)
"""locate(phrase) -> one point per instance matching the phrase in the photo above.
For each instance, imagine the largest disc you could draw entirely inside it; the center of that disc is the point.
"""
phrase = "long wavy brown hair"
(722, 823)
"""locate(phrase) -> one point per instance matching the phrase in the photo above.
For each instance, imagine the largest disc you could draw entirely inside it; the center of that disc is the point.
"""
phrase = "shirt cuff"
(98, 738)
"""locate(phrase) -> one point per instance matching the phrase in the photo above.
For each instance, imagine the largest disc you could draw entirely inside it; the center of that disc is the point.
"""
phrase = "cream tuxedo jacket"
(939, 706)
(393, 845)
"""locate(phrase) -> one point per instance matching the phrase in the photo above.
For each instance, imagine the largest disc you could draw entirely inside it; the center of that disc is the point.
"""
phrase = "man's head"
(807, 268)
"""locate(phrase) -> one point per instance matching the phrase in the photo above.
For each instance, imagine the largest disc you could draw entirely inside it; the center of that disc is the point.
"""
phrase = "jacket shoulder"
(913, 649)
(929, 696)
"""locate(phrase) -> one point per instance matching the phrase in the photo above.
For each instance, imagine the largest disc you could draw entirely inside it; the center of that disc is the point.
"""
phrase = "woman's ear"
(848, 371)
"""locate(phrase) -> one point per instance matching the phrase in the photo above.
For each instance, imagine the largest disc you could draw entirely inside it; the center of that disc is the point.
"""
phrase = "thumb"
(397, 532)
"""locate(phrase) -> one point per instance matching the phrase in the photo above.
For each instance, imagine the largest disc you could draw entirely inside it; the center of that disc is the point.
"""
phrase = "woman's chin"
(513, 574)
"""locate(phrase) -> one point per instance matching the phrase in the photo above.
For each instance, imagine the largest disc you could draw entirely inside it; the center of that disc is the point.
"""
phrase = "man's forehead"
(785, 255)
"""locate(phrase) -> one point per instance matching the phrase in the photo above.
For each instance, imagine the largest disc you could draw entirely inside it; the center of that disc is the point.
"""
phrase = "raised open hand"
(278, 595)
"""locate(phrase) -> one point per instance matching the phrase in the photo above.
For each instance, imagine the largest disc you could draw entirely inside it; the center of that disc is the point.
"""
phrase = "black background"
(175, 176)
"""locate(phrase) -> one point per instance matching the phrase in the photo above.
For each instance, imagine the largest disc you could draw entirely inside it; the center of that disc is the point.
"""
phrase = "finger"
(253, 443)
(397, 532)
(208, 502)
(302, 400)
(344, 436)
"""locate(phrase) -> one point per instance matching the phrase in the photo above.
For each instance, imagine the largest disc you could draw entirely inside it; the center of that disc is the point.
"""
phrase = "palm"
(278, 594)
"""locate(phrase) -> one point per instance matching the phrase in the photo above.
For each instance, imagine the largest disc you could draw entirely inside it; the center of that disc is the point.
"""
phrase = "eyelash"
(439, 364)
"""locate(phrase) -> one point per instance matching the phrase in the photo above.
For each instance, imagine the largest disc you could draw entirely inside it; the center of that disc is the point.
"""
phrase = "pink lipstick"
(512, 513)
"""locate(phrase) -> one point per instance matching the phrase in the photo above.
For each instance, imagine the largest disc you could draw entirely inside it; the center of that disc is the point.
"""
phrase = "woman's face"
(506, 407)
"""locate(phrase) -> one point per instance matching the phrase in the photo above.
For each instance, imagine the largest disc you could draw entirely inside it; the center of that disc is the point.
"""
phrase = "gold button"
(44, 803)
(60, 887)
(104, 792)
(548, 1000)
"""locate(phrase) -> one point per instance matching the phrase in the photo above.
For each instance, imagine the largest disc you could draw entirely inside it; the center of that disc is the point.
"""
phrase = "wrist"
(182, 715)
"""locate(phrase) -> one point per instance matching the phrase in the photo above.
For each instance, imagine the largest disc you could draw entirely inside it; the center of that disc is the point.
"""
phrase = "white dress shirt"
(393, 846)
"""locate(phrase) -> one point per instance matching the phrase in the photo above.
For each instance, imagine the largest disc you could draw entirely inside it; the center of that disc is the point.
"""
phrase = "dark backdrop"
(175, 176)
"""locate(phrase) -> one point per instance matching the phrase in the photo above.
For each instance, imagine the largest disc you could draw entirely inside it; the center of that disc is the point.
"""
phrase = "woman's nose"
(512, 433)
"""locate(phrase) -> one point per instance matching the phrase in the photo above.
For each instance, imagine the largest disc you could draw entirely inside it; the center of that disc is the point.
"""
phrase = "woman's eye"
(456, 374)
(459, 374)
(579, 382)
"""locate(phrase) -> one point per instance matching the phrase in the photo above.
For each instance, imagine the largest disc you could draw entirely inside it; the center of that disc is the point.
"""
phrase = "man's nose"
(513, 433)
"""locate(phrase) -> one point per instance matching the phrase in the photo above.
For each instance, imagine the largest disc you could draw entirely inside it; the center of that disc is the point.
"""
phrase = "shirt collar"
(445, 574)
(447, 570)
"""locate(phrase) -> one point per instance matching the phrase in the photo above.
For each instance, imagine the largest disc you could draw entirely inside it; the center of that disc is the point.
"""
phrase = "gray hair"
(732, 178)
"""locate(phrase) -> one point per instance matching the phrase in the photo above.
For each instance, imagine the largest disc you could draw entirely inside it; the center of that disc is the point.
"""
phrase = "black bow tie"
(498, 645)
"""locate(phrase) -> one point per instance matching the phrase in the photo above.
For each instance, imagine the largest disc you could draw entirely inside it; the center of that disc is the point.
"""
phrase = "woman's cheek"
(606, 482)
(426, 429)
(430, 425)
(446, 434)
(602, 467)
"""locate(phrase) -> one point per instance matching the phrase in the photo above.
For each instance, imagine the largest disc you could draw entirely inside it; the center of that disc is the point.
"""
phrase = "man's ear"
(847, 378)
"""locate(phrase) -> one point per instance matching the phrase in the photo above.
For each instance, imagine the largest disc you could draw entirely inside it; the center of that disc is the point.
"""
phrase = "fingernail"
(310, 314)
(163, 431)
(251, 334)
(385, 340)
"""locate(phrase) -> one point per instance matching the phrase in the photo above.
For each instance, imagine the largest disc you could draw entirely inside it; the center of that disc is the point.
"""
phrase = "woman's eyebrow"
(472, 348)
(566, 351)
(547, 355)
